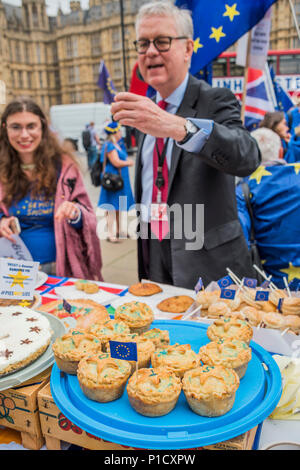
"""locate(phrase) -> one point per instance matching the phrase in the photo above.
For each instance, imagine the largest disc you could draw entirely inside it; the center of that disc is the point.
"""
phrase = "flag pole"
(246, 76)
(294, 18)
(123, 44)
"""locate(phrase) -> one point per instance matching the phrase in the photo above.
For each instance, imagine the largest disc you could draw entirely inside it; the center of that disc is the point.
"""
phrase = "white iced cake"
(24, 336)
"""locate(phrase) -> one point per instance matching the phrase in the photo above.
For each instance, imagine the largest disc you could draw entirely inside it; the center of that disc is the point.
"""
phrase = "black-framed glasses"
(161, 43)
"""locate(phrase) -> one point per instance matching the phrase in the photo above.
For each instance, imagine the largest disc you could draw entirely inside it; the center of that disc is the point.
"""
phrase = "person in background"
(202, 146)
(274, 197)
(115, 202)
(276, 121)
(95, 145)
(41, 185)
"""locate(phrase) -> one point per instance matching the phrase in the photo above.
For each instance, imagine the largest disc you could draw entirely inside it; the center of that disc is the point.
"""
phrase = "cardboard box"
(19, 410)
(56, 428)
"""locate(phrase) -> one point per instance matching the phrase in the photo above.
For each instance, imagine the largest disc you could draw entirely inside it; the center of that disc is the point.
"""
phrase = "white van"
(69, 120)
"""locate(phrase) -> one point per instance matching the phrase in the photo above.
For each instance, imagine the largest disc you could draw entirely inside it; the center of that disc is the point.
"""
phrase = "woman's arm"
(116, 161)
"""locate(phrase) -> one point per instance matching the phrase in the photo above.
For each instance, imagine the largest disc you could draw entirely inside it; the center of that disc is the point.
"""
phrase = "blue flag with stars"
(125, 351)
(284, 102)
(106, 83)
(219, 24)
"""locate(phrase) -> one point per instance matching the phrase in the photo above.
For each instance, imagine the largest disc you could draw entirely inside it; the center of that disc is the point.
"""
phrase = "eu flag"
(249, 282)
(227, 294)
(262, 296)
(225, 281)
(106, 83)
(219, 24)
(123, 350)
(199, 285)
(284, 102)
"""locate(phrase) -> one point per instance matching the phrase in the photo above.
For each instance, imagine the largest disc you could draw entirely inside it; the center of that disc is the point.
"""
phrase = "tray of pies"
(165, 300)
(26, 339)
(119, 411)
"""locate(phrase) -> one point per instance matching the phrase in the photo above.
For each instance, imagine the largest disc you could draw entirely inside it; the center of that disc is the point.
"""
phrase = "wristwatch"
(190, 129)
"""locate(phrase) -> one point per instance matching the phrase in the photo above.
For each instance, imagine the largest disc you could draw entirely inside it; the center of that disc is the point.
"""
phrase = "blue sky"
(52, 5)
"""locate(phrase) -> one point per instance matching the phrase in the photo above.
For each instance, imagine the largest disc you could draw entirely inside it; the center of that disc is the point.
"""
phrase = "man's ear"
(189, 48)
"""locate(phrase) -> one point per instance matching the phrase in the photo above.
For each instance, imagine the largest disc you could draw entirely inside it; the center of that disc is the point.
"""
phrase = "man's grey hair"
(182, 17)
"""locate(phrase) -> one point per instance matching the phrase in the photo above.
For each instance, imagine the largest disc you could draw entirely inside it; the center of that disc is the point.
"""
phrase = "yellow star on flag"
(297, 167)
(231, 12)
(18, 279)
(197, 45)
(292, 272)
(259, 173)
(217, 33)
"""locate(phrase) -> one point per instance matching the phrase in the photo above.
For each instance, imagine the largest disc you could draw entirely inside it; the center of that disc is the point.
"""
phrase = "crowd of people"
(191, 149)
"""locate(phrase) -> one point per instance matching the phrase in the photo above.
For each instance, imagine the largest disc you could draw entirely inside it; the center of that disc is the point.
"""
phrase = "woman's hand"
(67, 210)
(7, 225)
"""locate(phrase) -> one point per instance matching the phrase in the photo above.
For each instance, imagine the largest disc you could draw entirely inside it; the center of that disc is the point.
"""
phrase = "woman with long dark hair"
(41, 186)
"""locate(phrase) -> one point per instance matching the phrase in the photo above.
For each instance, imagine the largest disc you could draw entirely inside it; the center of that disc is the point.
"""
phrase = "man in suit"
(205, 147)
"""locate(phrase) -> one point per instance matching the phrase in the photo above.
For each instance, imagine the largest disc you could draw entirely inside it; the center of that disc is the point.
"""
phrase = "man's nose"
(152, 49)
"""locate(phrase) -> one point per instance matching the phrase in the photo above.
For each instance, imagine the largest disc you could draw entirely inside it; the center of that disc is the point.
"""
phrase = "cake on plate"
(160, 338)
(108, 330)
(230, 327)
(24, 337)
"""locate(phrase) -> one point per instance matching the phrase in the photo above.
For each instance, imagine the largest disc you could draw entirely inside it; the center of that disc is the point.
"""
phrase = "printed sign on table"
(17, 278)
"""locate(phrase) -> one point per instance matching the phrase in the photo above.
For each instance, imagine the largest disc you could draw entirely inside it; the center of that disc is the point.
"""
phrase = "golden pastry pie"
(291, 306)
(277, 294)
(70, 348)
(137, 315)
(108, 330)
(153, 392)
(292, 322)
(210, 390)
(142, 289)
(230, 327)
(273, 320)
(87, 286)
(206, 298)
(252, 315)
(178, 357)
(145, 348)
(103, 378)
(176, 304)
(87, 319)
(218, 309)
(30, 303)
(228, 353)
(160, 338)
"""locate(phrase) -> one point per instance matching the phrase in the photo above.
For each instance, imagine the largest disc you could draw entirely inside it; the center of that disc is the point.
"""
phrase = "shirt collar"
(177, 95)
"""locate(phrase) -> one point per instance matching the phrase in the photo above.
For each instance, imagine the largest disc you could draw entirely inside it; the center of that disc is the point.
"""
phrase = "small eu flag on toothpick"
(249, 282)
(227, 294)
(265, 284)
(225, 281)
(199, 285)
(262, 296)
(123, 350)
(67, 306)
(279, 305)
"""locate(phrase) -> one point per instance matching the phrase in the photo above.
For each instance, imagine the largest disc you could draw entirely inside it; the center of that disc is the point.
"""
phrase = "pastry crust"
(252, 315)
(24, 336)
(108, 330)
(291, 306)
(87, 286)
(231, 353)
(292, 322)
(103, 378)
(153, 392)
(70, 348)
(160, 338)
(137, 315)
(30, 303)
(177, 357)
(218, 309)
(176, 304)
(229, 327)
(273, 320)
(142, 289)
(210, 390)
(79, 308)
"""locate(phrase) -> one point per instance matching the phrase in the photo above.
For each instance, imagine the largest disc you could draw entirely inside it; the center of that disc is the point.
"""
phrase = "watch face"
(190, 127)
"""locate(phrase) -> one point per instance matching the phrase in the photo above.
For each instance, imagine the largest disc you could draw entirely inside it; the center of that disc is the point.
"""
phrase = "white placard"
(17, 278)
(17, 250)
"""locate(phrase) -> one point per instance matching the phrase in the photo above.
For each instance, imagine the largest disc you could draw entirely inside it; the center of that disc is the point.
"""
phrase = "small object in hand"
(15, 226)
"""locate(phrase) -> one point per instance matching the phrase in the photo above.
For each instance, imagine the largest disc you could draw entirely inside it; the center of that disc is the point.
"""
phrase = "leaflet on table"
(17, 250)
(17, 278)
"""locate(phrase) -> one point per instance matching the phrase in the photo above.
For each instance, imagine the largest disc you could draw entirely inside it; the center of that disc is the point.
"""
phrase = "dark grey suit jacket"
(208, 178)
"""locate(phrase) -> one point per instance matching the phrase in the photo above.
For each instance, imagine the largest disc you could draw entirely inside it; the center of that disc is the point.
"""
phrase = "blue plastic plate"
(256, 397)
